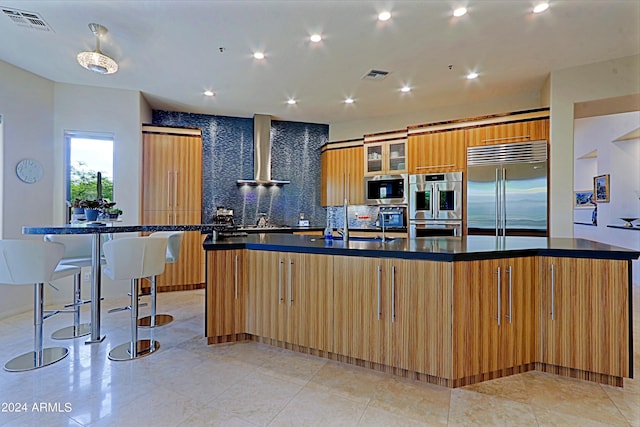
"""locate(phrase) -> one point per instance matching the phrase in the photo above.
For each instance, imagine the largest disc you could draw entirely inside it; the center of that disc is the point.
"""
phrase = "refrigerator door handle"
(497, 202)
(504, 201)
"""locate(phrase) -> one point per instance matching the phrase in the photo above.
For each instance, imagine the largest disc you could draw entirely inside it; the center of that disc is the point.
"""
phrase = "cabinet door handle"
(290, 282)
(169, 188)
(379, 286)
(499, 292)
(393, 294)
(510, 272)
(176, 179)
(236, 276)
(553, 292)
(280, 298)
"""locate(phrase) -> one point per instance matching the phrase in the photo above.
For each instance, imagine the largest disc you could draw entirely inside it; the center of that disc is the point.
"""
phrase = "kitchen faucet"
(345, 229)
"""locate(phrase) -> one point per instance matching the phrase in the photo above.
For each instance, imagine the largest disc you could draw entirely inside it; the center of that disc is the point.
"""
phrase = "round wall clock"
(29, 171)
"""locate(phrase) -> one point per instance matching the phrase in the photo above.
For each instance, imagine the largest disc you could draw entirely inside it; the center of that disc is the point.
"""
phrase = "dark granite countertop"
(436, 248)
(622, 227)
(89, 228)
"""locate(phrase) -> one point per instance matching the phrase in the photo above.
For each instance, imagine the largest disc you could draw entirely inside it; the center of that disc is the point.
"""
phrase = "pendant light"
(97, 61)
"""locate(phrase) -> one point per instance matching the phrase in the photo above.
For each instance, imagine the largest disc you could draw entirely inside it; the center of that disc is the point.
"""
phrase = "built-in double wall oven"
(435, 205)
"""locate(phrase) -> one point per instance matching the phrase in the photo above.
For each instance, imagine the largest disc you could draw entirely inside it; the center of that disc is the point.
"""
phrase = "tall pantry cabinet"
(172, 194)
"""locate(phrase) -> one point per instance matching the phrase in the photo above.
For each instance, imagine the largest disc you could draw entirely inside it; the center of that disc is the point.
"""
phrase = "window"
(90, 156)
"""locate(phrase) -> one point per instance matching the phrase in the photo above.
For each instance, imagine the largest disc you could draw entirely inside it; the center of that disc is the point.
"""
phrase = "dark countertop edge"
(622, 227)
(424, 255)
(83, 229)
(589, 224)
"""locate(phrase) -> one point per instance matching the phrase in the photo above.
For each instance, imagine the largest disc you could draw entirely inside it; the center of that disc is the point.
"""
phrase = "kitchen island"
(450, 311)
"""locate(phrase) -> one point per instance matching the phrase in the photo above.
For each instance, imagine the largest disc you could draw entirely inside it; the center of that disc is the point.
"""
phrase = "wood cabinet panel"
(585, 314)
(358, 327)
(337, 166)
(226, 293)
(172, 194)
(437, 152)
(420, 338)
(266, 297)
(524, 131)
(494, 315)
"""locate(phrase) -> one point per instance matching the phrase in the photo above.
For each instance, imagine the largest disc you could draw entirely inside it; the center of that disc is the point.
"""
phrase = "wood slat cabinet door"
(420, 337)
(494, 315)
(437, 152)
(308, 293)
(585, 314)
(525, 131)
(172, 194)
(338, 165)
(266, 287)
(359, 328)
(226, 293)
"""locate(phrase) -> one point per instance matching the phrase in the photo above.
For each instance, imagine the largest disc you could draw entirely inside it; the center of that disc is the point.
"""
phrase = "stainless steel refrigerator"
(507, 189)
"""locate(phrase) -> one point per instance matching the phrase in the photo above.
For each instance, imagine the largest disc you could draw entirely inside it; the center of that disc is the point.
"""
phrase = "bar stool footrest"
(29, 361)
(123, 351)
(71, 332)
(161, 320)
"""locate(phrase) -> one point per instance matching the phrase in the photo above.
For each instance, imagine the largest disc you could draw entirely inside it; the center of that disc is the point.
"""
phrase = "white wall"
(36, 112)
(26, 105)
(579, 84)
(621, 161)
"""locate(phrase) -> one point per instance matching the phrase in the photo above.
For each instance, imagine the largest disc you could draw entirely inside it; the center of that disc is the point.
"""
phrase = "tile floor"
(188, 383)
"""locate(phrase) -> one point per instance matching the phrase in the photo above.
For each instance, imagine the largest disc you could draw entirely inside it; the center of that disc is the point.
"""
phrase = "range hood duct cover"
(261, 153)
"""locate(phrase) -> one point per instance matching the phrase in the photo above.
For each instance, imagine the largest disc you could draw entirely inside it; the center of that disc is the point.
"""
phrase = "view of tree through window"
(87, 157)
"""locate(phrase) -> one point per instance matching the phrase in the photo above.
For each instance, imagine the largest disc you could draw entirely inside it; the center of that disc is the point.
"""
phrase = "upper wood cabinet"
(172, 194)
(436, 152)
(385, 158)
(505, 133)
(342, 167)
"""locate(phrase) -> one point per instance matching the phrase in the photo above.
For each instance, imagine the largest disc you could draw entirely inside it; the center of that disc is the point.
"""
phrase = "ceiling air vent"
(27, 19)
(375, 75)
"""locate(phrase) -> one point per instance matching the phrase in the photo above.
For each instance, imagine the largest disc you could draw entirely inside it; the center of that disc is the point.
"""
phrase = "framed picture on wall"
(601, 188)
(583, 199)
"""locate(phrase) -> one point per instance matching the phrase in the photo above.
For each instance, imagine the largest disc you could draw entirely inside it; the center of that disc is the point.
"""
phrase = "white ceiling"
(169, 50)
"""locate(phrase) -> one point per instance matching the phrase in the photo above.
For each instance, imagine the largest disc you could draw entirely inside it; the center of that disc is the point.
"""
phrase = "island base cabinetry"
(448, 323)
(584, 321)
(226, 296)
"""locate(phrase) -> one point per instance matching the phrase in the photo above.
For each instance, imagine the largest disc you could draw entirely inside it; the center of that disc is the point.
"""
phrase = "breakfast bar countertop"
(465, 248)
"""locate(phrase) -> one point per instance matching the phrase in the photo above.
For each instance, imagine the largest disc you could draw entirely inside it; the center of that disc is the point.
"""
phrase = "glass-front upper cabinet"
(383, 158)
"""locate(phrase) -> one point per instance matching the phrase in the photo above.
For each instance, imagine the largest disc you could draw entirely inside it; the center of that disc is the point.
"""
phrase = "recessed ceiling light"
(208, 93)
(460, 11)
(384, 16)
(291, 101)
(349, 101)
(258, 55)
(405, 89)
(472, 75)
(315, 38)
(541, 7)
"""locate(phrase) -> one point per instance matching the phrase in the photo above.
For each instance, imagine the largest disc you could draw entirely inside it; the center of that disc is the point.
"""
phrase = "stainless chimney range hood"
(261, 153)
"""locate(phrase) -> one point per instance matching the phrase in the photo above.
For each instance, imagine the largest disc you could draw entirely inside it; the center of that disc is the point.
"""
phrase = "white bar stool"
(28, 262)
(134, 258)
(77, 252)
(174, 241)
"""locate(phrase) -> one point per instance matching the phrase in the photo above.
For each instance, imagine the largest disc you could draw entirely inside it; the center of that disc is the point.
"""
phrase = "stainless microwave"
(385, 189)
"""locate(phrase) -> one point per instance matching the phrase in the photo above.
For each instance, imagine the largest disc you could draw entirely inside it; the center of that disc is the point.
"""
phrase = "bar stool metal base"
(144, 348)
(161, 320)
(71, 332)
(29, 361)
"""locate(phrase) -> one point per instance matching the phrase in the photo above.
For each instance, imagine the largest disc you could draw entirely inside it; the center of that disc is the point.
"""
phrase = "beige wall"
(579, 84)
(358, 128)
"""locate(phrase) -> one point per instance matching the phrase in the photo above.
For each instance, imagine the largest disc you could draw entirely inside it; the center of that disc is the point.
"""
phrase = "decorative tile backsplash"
(227, 147)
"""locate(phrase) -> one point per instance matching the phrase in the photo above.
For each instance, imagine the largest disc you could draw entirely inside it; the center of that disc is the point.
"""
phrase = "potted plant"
(77, 206)
(93, 208)
(114, 213)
